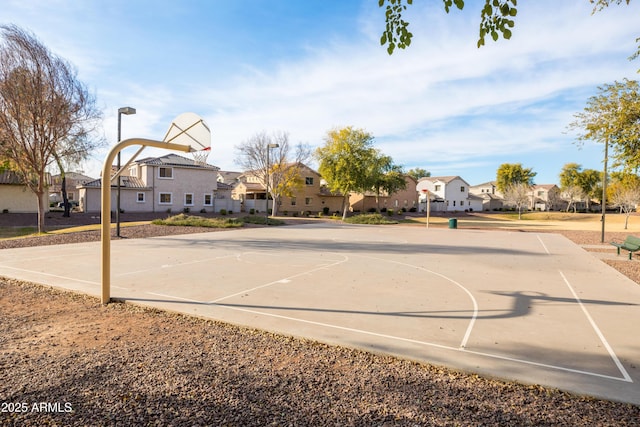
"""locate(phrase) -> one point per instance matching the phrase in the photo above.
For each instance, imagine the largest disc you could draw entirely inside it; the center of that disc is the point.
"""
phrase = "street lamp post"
(268, 175)
(128, 111)
(604, 185)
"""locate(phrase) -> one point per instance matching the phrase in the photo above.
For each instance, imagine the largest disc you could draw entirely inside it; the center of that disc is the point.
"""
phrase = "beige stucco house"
(488, 193)
(170, 183)
(311, 197)
(403, 199)
(72, 181)
(16, 197)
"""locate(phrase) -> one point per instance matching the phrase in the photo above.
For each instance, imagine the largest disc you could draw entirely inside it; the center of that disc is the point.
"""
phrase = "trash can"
(453, 222)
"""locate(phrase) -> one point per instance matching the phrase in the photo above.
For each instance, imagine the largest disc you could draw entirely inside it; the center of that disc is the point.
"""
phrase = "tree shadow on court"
(522, 305)
(355, 246)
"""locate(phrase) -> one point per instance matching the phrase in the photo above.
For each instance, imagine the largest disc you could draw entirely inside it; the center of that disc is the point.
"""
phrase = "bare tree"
(45, 112)
(627, 199)
(572, 194)
(283, 168)
(517, 195)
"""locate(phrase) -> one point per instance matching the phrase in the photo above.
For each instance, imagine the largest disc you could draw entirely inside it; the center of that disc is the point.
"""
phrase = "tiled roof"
(9, 177)
(125, 182)
(176, 161)
(12, 178)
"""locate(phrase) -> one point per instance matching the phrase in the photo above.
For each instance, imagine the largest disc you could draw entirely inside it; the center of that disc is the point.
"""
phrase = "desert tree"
(509, 174)
(572, 194)
(612, 117)
(279, 166)
(417, 173)
(46, 113)
(624, 193)
(345, 162)
(517, 195)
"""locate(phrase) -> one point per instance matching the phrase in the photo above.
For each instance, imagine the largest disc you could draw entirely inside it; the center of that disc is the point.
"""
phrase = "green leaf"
(506, 33)
(383, 39)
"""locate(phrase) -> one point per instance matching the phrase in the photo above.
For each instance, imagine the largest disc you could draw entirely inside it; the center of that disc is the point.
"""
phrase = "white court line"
(543, 245)
(174, 297)
(283, 280)
(427, 344)
(474, 316)
(197, 261)
(50, 275)
(612, 354)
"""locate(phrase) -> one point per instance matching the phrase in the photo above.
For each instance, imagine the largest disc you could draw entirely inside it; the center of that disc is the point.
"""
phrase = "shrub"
(372, 210)
(369, 219)
(254, 219)
(252, 211)
(203, 210)
(223, 211)
(198, 221)
(390, 212)
(325, 210)
(412, 210)
(186, 210)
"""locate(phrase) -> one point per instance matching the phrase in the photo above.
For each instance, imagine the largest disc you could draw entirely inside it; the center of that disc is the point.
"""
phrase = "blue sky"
(305, 67)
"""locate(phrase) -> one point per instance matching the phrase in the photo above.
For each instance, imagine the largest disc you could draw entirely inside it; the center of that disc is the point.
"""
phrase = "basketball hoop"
(200, 156)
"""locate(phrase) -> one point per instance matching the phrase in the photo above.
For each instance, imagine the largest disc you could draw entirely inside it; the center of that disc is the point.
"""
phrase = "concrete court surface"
(530, 307)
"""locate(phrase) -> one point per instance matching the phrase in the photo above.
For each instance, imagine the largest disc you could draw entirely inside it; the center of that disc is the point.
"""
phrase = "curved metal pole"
(106, 204)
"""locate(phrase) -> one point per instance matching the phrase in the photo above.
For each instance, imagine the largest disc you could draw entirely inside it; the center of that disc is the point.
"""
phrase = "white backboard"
(191, 130)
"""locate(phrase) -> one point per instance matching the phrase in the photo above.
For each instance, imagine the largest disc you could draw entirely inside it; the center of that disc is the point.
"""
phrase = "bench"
(630, 244)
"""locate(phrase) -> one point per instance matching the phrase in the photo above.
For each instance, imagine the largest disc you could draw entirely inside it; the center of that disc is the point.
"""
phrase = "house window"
(208, 200)
(133, 171)
(140, 197)
(308, 180)
(70, 196)
(462, 189)
(165, 199)
(438, 188)
(540, 193)
(308, 201)
(166, 173)
(188, 199)
(293, 201)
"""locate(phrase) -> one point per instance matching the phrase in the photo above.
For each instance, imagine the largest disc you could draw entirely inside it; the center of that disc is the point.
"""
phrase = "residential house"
(16, 197)
(72, 181)
(492, 199)
(313, 196)
(170, 183)
(407, 199)
(545, 197)
(447, 194)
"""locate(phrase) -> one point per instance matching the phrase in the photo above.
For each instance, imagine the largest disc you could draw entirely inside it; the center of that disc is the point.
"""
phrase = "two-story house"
(72, 181)
(170, 183)
(406, 198)
(545, 197)
(447, 194)
(311, 195)
(492, 199)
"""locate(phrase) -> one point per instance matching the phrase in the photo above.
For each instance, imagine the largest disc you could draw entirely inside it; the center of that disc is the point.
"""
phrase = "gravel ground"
(69, 361)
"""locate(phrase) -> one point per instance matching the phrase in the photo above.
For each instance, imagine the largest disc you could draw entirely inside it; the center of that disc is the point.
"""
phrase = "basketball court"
(529, 307)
